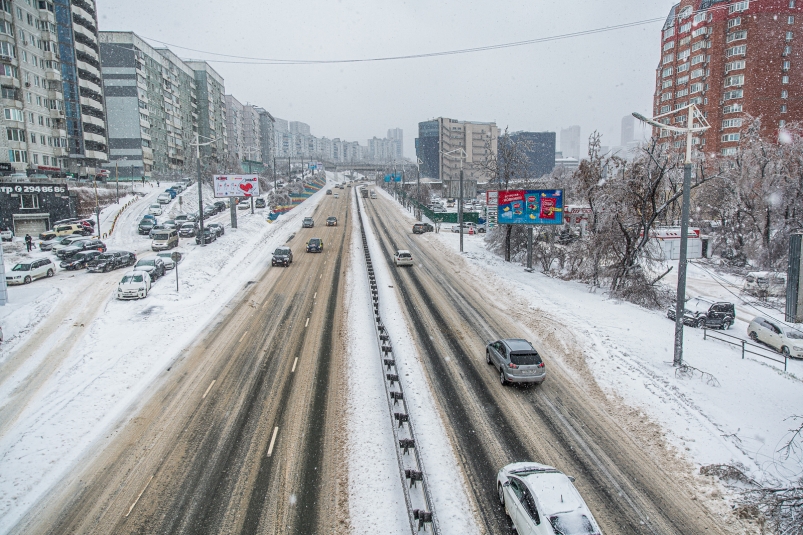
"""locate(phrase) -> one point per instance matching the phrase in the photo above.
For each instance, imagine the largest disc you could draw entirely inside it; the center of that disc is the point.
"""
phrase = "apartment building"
(266, 135)
(734, 60)
(439, 137)
(570, 142)
(234, 127)
(181, 102)
(210, 90)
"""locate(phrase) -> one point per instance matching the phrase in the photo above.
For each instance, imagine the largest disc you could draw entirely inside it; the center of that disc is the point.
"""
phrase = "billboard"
(530, 207)
(236, 185)
(394, 177)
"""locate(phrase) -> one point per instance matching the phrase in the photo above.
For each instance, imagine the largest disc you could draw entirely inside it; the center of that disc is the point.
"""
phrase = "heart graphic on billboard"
(246, 187)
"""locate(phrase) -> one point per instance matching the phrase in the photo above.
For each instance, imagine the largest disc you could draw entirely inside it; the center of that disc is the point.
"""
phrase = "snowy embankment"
(743, 416)
(123, 348)
(446, 484)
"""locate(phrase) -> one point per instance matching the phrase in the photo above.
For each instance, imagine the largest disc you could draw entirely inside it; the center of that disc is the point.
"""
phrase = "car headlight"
(142, 288)
(797, 348)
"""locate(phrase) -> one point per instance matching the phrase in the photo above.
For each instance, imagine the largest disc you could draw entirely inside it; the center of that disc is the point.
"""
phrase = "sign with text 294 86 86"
(236, 185)
(531, 207)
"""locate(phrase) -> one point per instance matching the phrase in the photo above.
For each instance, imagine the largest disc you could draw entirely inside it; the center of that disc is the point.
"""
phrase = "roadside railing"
(747, 347)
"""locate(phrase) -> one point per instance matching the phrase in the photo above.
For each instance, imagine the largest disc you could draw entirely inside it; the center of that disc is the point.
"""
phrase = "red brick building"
(733, 58)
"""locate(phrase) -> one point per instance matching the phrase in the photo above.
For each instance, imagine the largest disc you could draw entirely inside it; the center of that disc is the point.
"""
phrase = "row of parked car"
(165, 235)
(137, 283)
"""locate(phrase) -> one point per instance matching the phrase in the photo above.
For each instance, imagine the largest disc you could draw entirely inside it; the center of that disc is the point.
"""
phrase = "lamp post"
(460, 197)
(418, 163)
(198, 145)
(250, 150)
(693, 115)
(117, 175)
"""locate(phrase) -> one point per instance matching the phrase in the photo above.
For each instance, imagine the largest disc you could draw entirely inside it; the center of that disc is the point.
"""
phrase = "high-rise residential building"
(439, 143)
(152, 115)
(234, 127)
(266, 135)
(297, 127)
(210, 89)
(628, 130)
(570, 142)
(397, 136)
(540, 151)
(734, 60)
(252, 134)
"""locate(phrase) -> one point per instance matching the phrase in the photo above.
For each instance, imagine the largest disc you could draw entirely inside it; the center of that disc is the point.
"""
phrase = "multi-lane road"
(246, 433)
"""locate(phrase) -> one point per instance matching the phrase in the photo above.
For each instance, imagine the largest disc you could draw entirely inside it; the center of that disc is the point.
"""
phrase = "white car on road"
(403, 258)
(135, 285)
(155, 209)
(786, 340)
(541, 500)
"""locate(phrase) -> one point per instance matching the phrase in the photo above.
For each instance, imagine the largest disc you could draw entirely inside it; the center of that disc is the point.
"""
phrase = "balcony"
(56, 114)
(54, 76)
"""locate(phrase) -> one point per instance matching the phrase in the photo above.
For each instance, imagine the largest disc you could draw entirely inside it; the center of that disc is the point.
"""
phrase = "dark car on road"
(260, 203)
(110, 261)
(83, 245)
(282, 256)
(187, 230)
(421, 228)
(331, 221)
(516, 360)
(155, 267)
(220, 206)
(702, 312)
(308, 223)
(209, 236)
(315, 245)
(79, 260)
(145, 226)
(217, 228)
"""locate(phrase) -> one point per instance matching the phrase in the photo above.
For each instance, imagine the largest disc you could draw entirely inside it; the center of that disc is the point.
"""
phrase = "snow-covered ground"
(114, 349)
(745, 419)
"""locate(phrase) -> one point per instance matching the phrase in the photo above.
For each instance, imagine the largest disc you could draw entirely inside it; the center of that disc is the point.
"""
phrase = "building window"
(666, 83)
(736, 93)
(695, 88)
(787, 50)
(734, 81)
(678, 106)
(17, 156)
(685, 41)
(685, 27)
(782, 123)
(696, 73)
(29, 201)
(734, 66)
(784, 79)
(669, 32)
(789, 36)
(12, 114)
(784, 94)
(739, 7)
(683, 55)
(669, 46)
(665, 109)
(732, 123)
(696, 100)
(698, 32)
(698, 45)
(791, 19)
(682, 80)
(786, 65)
(730, 151)
(726, 138)
(783, 108)
(669, 58)
(700, 17)
(736, 36)
(681, 118)
(698, 59)
(740, 50)
(683, 67)
(733, 108)
(15, 134)
(791, 3)
(734, 22)
(668, 72)
(682, 93)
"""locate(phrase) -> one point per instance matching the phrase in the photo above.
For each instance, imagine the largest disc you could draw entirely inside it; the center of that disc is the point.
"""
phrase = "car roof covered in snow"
(554, 492)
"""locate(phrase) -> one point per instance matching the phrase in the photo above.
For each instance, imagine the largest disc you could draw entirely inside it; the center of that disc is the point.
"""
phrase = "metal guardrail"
(744, 344)
(411, 469)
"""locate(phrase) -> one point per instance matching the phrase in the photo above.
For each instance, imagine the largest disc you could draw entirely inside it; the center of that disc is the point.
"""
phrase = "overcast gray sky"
(592, 80)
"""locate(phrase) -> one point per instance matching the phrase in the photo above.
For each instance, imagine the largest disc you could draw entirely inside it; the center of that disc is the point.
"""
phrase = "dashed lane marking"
(243, 336)
(143, 492)
(294, 365)
(209, 388)
(272, 441)
(306, 324)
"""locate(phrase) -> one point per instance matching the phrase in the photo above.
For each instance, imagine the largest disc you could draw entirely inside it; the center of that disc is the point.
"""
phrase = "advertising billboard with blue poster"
(530, 207)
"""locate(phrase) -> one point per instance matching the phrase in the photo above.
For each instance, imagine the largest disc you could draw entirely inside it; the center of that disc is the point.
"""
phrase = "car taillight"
(541, 365)
(514, 366)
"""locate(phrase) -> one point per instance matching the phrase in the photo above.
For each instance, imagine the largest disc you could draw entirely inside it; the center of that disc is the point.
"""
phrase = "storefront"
(32, 208)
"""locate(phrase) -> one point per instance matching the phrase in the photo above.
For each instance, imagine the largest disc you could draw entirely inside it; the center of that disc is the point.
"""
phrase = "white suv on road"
(26, 272)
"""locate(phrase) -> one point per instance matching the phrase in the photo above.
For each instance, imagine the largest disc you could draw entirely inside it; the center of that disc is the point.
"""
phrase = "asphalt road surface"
(556, 423)
(244, 433)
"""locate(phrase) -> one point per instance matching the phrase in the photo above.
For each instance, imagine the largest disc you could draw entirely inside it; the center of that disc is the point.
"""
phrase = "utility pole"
(117, 179)
(200, 189)
(460, 207)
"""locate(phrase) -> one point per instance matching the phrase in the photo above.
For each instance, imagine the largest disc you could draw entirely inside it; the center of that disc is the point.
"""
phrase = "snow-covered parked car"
(703, 312)
(6, 234)
(541, 500)
(784, 339)
(26, 272)
(134, 285)
(155, 209)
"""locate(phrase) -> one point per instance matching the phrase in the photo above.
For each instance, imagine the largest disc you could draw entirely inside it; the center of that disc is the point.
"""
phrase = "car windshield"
(146, 263)
(281, 252)
(132, 278)
(572, 524)
(21, 267)
(188, 226)
(146, 222)
(794, 334)
(315, 242)
(522, 358)
(161, 236)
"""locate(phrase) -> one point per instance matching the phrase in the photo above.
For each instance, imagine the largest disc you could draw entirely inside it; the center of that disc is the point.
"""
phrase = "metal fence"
(748, 348)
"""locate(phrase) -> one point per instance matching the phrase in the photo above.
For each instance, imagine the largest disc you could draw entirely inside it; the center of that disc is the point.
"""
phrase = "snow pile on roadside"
(125, 348)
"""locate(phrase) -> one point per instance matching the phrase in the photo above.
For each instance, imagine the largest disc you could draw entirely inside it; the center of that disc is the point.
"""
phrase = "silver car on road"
(516, 360)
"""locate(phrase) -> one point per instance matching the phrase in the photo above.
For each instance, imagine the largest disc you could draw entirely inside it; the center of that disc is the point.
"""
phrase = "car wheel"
(49, 272)
(488, 357)
(754, 336)
(27, 280)
(726, 325)
(501, 492)
(502, 378)
(701, 323)
(785, 352)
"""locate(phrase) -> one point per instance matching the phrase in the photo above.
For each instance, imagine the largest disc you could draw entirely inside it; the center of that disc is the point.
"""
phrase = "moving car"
(167, 258)
(145, 226)
(81, 245)
(245, 204)
(282, 256)
(328, 192)
(26, 272)
(308, 222)
(516, 360)
(208, 236)
(134, 285)
(154, 265)
(336, 196)
(331, 221)
(184, 218)
(703, 312)
(421, 228)
(217, 228)
(260, 203)
(187, 230)
(111, 260)
(155, 209)
(315, 245)
(402, 257)
(79, 260)
(541, 500)
(164, 239)
(786, 340)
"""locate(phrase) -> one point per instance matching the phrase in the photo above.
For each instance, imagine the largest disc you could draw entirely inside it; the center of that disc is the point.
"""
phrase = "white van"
(164, 239)
(765, 283)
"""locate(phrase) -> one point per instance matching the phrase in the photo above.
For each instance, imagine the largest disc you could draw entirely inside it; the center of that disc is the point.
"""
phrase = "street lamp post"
(200, 189)
(460, 199)
(694, 114)
(117, 176)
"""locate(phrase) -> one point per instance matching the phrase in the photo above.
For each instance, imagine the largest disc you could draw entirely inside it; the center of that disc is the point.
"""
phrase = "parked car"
(155, 209)
(164, 198)
(81, 245)
(171, 192)
(421, 228)
(164, 239)
(703, 312)
(402, 257)
(516, 360)
(6, 234)
(217, 228)
(244, 204)
(308, 222)
(26, 272)
(541, 500)
(331, 221)
(765, 283)
(315, 245)
(146, 226)
(67, 241)
(183, 218)
(154, 265)
(260, 203)
(208, 237)
(70, 230)
(467, 226)
(79, 260)
(282, 256)
(167, 258)
(209, 211)
(187, 230)
(111, 260)
(220, 206)
(151, 217)
(48, 244)
(134, 285)
(786, 340)
(170, 223)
